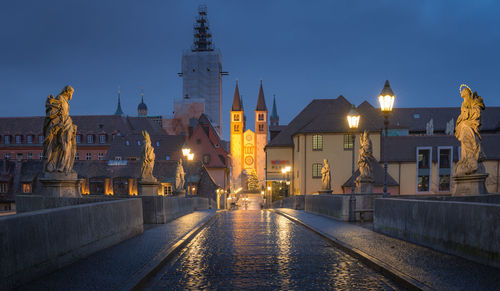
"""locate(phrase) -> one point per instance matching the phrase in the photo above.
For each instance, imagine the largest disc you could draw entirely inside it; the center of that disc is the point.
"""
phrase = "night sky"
(302, 50)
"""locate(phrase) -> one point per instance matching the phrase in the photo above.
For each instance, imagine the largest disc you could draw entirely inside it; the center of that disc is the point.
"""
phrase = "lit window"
(18, 139)
(30, 156)
(445, 165)
(347, 141)
(78, 138)
(100, 156)
(77, 156)
(4, 187)
(29, 139)
(41, 139)
(7, 139)
(26, 187)
(423, 169)
(317, 141)
(167, 190)
(88, 156)
(102, 138)
(316, 170)
(90, 138)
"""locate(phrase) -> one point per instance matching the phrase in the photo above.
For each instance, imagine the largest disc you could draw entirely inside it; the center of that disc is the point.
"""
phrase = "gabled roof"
(237, 105)
(261, 101)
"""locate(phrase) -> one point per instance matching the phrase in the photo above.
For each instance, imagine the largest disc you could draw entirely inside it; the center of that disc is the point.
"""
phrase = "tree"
(253, 181)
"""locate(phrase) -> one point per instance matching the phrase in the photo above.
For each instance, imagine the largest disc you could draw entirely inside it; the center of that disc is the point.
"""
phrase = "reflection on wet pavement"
(263, 250)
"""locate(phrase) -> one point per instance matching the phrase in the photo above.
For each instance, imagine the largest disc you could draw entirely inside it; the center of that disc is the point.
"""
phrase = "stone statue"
(147, 158)
(179, 177)
(59, 145)
(429, 127)
(366, 159)
(326, 178)
(467, 132)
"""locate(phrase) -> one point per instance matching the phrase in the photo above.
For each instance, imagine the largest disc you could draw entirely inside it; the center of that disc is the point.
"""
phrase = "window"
(138, 142)
(78, 138)
(18, 139)
(118, 158)
(77, 156)
(167, 157)
(7, 139)
(206, 159)
(19, 156)
(90, 138)
(198, 141)
(100, 156)
(29, 139)
(41, 138)
(317, 142)
(316, 171)
(40, 156)
(261, 127)
(88, 156)
(444, 167)
(26, 187)
(30, 156)
(7, 156)
(167, 190)
(423, 169)
(127, 143)
(217, 145)
(236, 128)
(4, 187)
(157, 144)
(236, 117)
(261, 116)
(102, 138)
(347, 141)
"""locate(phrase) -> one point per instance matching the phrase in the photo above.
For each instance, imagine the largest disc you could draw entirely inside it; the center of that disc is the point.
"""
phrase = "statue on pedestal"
(59, 145)
(364, 182)
(469, 173)
(147, 158)
(326, 178)
(179, 178)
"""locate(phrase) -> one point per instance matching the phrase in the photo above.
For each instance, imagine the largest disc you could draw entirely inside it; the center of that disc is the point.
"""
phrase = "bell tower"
(260, 134)
(237, 128)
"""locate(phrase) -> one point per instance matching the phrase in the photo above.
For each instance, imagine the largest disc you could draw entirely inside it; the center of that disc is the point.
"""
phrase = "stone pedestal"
(364, 185)
(60, 185)
(468, 185)
(148, 187)
(180, 192)
(325, 191)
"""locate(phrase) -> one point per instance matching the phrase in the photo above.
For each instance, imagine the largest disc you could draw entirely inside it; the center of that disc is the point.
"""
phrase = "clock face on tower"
(249, 137)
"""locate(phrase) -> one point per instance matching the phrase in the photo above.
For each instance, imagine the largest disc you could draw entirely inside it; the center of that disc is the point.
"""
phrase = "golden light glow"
(268, 188)
(286, 169)
(190, 156)
(386, 102)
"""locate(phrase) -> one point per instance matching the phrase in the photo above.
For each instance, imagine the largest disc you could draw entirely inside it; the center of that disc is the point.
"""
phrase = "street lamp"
(353, 121)
(186, 152)
(386, 100)
(285, 171)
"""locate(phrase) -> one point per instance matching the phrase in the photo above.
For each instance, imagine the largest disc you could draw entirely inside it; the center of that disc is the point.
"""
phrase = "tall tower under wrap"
(237, 128)
(202, 71)
(260, 134)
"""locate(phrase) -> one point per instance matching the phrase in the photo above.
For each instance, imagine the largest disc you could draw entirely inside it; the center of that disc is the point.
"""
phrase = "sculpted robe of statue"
(147, 157)
(326, 177)
(59, 145)
(179, 176)
(366, 159)
(467, 132)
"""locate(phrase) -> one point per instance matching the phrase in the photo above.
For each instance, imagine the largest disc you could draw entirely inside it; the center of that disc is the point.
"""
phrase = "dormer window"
(7, 139)
(29, 139)
(41, 139)
(18, 139)
(102, 138)
(90, 138)
(78, 138)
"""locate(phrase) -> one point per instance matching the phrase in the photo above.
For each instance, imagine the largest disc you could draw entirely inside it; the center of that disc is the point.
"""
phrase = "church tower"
(202, 71)
(119, 110)
(237, 128)
(275, 119)
(260, 134)
(142, 109)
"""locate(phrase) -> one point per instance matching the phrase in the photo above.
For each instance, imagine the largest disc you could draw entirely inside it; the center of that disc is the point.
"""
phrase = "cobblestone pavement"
(438, 270)
(262, 250)
(110, 269)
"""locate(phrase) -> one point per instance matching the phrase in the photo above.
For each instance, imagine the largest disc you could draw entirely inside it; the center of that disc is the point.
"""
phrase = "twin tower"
(247, 147)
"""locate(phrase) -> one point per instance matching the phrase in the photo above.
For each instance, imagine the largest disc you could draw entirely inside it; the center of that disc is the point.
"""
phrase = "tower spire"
(275, 119)
(237, 106)
(202, 35)
(261, 101)
(119, 110)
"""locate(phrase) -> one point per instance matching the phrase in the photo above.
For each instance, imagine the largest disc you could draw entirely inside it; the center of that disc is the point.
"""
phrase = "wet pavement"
(263, 250)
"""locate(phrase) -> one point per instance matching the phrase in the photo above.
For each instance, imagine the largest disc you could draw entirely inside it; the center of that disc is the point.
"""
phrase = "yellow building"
(421, 148)
(247, 146)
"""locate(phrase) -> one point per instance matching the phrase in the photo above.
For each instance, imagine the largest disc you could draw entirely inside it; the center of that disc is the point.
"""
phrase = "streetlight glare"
(386, 98)
(353, 118)
(190, 156)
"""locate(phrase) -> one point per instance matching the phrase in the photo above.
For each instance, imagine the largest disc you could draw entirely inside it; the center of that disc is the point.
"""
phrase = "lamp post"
(386, 100)
(285, 171)
(269, 196)
(353, 121)
(186, 152)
